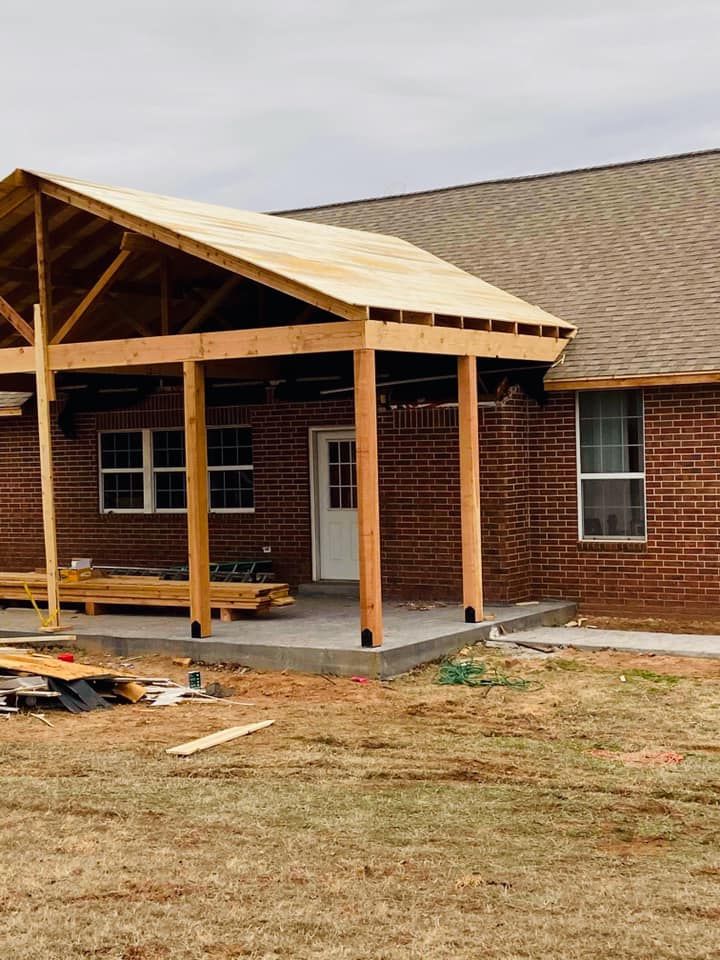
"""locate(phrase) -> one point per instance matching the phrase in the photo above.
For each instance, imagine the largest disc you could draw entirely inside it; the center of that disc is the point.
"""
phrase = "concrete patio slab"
(631, 641)
(316, 635)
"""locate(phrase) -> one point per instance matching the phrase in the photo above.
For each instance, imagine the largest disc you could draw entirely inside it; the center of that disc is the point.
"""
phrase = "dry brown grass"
(401, 820)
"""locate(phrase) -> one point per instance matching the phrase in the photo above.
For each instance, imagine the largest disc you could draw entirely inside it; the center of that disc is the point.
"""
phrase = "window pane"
(611, 432)
(613, 508)
(170, 491)
(121, 451)
(123, 491)
(168, 448)
(231, 489)
(230, 447)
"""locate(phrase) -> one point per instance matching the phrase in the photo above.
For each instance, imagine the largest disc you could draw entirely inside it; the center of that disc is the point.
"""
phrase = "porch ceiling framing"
(512, 329)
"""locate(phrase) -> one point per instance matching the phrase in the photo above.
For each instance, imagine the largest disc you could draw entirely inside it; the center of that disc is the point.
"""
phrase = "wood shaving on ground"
(641, 758)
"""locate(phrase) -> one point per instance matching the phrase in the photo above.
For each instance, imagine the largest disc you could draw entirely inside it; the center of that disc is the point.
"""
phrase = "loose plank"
(215, 739)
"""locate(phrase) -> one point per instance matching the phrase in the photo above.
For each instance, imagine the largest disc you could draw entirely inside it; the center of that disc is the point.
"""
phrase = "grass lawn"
(393, 820)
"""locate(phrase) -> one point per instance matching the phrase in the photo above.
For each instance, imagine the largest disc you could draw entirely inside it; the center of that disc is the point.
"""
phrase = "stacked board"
(96, 593)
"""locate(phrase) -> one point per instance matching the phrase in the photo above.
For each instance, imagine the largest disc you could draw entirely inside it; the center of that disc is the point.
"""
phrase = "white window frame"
(638, 475)
(147, 481)
(223, 469)
(149, 470)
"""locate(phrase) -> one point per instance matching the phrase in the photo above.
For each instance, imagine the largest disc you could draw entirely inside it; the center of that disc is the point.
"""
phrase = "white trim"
(314, 481)
(103, 470)
(582, 538)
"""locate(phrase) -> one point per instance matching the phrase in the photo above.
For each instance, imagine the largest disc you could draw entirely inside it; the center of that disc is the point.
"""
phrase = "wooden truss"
(131, 282)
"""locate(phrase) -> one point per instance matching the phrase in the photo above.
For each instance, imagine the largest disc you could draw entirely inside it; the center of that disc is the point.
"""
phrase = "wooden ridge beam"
(13, 317)
(101, 285)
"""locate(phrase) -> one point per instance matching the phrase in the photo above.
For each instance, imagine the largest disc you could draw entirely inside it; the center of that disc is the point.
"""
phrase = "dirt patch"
(690, 625)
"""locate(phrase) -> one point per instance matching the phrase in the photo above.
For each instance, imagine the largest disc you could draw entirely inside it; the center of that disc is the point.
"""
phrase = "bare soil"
(388, 820)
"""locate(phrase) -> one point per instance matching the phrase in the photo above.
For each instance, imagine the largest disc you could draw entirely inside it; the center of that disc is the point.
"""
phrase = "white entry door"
(336, 534)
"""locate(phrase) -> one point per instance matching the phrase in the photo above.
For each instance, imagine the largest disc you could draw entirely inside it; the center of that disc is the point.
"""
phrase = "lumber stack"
(98, 592)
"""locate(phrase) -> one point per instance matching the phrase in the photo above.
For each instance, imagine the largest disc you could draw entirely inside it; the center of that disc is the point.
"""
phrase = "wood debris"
(29, 679)
(215, 739)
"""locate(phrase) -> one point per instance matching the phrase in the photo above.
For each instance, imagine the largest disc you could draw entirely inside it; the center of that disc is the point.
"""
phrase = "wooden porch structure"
(99, 279)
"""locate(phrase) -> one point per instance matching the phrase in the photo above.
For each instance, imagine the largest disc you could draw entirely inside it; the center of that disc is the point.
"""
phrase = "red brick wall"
(420, 514)
(679, 567)
(529, 501)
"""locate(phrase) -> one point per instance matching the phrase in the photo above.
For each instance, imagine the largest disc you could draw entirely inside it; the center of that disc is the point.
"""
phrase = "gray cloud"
(275, 104)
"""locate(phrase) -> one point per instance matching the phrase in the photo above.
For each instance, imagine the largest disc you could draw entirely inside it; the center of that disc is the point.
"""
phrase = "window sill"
(621, 545)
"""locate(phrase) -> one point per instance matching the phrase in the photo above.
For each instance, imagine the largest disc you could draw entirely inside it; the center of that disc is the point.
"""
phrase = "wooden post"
(371, 623)
(44, 283)
(197, 498)
(470, 489)
(43, 380)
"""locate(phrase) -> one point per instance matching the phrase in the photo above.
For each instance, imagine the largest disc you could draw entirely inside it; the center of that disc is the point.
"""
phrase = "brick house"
(598, 473)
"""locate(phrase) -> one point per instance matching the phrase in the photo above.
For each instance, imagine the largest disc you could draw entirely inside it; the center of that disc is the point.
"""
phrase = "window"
(143, 471)
(611, 464)
(122, 479)
(230, 468)
(168, 466)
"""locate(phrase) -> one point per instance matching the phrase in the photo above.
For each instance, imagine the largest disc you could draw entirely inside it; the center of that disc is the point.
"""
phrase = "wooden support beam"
(470, 489)
(368, 496)
(213, 301)
(13, 317)
(43, 378)
(197, 498)
(102, 284)
(43, 270)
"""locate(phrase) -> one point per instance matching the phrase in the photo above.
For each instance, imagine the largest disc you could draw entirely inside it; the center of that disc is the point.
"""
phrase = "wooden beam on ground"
(101, 285)
(213, 301)
(368, 497)
(43, 378)
(197, 499)
(215, 739)
(470, 489)
(14, 319)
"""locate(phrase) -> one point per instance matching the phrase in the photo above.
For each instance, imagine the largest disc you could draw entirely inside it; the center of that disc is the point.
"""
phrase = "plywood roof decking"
(360, 269)
(629, 253)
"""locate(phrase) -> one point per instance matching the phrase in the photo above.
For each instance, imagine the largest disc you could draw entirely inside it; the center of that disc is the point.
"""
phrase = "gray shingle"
(629, 253)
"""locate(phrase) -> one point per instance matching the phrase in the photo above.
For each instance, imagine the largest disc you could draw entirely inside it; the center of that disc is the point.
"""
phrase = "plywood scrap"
(50, 667)
(130, 691)
(215, 739)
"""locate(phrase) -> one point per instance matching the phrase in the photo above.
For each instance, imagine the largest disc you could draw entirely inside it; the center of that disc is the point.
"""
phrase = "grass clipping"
(474, 673)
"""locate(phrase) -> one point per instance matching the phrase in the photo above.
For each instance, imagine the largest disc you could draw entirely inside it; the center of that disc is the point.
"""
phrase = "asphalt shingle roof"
(629, 253)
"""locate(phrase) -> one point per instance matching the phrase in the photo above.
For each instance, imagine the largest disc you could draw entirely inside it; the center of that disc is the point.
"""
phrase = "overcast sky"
(269, 104)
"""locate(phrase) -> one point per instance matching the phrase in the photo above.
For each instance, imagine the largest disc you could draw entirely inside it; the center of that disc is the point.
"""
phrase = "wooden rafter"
(14, 318)
(102, 284)
(14, 200)
(213, 301)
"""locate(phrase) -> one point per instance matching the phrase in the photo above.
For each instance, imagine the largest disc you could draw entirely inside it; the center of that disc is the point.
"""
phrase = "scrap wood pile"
(97, 591)
(31, 680)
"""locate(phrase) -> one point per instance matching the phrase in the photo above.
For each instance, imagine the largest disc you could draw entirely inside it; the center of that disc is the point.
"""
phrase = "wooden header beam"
(330, 337)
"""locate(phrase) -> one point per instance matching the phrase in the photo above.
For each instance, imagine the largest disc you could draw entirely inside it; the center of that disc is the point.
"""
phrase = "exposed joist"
(14, 200)
(211, 304)
(102, 284)
(13, 317)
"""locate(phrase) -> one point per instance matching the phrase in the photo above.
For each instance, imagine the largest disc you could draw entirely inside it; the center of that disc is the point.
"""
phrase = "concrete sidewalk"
(632, 641)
